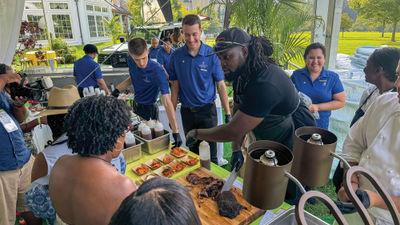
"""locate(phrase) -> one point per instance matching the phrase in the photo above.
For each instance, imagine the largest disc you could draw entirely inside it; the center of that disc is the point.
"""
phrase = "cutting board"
(208, 208)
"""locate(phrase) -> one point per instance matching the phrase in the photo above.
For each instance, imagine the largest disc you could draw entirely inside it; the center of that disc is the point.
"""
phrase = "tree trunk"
(383, 28)
(228, 13)
(394, 31)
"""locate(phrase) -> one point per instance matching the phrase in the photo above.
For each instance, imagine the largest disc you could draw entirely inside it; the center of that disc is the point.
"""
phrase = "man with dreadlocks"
(264, 96)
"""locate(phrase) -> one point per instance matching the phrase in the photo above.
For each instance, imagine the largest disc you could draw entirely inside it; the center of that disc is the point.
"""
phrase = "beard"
(230, 77)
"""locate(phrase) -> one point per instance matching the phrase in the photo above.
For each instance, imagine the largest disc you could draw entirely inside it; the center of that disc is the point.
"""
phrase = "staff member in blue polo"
(85, 66)
(148, 79)
(194, 77)
(323, 86)
(164, 55)
(154, 49)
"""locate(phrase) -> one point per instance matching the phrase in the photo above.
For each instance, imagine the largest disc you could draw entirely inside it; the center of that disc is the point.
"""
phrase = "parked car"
(119, 58)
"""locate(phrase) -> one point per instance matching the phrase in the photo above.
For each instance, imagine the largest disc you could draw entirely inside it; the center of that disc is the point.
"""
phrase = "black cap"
(89, 49)
(230, 38)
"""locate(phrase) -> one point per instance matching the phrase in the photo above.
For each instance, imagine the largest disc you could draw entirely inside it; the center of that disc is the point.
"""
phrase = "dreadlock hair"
(56, 124)
(260, 50)
(93, 124)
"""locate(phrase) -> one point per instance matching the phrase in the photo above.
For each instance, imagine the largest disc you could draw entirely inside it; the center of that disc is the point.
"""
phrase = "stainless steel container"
(133, 153)
(155, 145)
(289, 218)
(312, 163)
(265, 186)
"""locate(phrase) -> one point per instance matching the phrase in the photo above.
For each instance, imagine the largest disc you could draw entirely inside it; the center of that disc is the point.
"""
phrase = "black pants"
(338, 177)
(197, 118)
(80, 90)
(146, 112)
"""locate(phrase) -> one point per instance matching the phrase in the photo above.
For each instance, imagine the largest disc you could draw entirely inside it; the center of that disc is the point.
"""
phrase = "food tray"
(151, 161)
(165, 158)
(187, 159)
(133, 153)
(159, 171)
(176, 155)
(140, 165)
(175, 163)
(156, 144)
(148, 176)
(289, 218)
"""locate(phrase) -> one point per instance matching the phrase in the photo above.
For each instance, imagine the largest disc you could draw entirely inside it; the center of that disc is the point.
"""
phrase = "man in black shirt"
(264, 96)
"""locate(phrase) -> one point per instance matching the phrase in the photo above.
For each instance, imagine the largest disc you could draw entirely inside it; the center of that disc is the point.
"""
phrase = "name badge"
(7, 122)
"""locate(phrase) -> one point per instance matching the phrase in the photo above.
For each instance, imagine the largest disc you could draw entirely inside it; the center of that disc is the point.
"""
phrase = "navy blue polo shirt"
(153, 52)
(320, 91)
(164, 57)
(148, 82)
(13, 153)
(83, 67)
(196, 75)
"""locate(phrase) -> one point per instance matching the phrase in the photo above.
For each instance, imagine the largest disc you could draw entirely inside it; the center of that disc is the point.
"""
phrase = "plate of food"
(140, 169)
(165, 171)
(165, 158)
(148, 176)
(153, 164)
(177, 165)
(178, 152)
(190, 160)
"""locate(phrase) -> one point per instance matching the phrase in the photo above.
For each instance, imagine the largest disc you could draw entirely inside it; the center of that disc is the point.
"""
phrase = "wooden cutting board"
(208, 208)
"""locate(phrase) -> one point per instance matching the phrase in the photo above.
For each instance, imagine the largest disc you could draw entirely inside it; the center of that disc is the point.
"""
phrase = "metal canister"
(315, 139)
(268, 158)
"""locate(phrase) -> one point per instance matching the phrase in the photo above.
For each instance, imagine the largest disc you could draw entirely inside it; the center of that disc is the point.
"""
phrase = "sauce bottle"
(158, 130)
(146, 133)
(130, 139)
(204, 152)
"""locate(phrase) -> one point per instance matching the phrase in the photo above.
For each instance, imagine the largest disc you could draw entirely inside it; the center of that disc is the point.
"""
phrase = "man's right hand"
(237, 157)
(191, 138)
(115, 93)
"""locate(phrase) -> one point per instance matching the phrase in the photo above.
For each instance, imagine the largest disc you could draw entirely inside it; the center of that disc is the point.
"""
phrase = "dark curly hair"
(93, 124)
(387, 58)
(158, 201)
(260, 52)
(56, 124)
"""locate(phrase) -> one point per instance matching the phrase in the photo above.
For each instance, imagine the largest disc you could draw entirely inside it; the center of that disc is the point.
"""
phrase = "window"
(58, 5)
(97, 8)
(33, 5)
(100, 26)
(35, 20)
(62, 26)
(92, 26)
(104, 9)
(89, 7)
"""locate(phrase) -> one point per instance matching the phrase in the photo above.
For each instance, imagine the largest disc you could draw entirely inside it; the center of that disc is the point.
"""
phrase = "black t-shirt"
(269, 92)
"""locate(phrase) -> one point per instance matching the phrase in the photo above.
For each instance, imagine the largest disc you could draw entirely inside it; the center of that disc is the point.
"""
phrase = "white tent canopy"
(10, 23)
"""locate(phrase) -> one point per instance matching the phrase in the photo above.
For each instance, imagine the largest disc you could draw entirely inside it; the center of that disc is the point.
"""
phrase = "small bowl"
(166, 158)
(178, 152)
(161, 171)
(153, 164)
(177, 165)
(144, 170)
(190, 160)
(148, 176)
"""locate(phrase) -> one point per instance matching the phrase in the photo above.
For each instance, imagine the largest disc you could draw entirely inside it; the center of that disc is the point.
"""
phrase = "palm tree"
(282, 22)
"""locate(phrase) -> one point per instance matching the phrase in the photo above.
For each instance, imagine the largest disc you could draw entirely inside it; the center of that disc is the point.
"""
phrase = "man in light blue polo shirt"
(195, 76)
(154, 49)
(148, 79)
(85, 66)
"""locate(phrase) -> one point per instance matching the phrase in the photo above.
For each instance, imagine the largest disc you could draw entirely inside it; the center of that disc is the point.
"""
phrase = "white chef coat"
(374, 142)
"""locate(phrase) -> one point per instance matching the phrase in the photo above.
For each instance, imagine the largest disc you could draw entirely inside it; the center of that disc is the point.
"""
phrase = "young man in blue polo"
(195, 76)
(154, 49)
(85, 66)
(148, 79)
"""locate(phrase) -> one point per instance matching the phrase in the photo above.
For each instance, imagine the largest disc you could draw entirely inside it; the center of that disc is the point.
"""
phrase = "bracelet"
(39, 123)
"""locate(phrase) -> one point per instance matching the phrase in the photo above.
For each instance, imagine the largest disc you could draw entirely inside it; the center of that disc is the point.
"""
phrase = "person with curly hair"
(264, 96)
(85, 188)
(158, 201)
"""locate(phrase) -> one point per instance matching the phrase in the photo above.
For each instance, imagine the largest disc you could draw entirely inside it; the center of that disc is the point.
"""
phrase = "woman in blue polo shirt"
(323, 86)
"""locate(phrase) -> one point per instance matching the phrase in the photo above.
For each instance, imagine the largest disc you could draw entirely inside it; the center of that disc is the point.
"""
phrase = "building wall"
(64, 21)
(191, 4)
